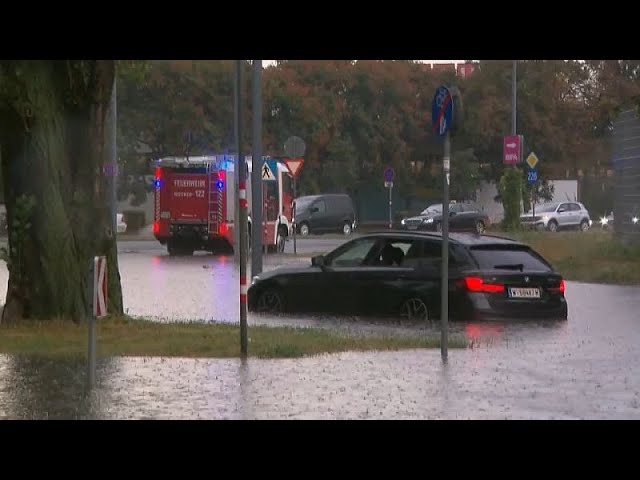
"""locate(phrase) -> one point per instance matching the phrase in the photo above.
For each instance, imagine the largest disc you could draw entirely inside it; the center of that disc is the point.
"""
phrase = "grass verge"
(138, 337)
(594, 256)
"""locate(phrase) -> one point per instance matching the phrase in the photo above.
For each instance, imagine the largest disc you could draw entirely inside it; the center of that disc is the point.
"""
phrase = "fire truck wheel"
(280, 241)
(304, 229)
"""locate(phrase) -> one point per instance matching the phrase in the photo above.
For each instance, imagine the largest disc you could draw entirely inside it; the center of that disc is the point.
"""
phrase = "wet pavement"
(583, 368)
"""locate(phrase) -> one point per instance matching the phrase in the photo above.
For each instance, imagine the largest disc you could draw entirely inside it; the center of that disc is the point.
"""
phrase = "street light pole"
(514, 130)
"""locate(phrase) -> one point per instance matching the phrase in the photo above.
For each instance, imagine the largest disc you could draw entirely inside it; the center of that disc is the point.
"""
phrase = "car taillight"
(156, 227)
(559, 289)
(477, 284)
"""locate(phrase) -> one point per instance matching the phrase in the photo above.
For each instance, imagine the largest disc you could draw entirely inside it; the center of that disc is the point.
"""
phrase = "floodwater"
(583, 368)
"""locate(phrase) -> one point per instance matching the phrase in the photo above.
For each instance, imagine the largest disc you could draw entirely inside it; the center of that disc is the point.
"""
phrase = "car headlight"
(402, 222)
(428, 220)
(604, 220)
(634, 219)
(254, 279)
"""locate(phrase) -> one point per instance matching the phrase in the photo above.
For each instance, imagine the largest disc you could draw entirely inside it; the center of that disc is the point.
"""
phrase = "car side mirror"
(318, 261)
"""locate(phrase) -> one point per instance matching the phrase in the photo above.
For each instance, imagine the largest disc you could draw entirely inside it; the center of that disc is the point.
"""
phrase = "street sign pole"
(294, 148)
(256, 165)
(242, 227)
(442, 119)
(444, 308)
(293, 214)
(390, 206)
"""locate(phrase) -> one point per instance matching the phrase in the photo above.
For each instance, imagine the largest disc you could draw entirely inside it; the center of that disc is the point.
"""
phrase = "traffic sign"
(532, 160)
(294, 165)
(389, 173)
(512, 149)
(388, 184)
(269, 167)
(442, 111)
(294, 147)
(99, 287)
(532, 176)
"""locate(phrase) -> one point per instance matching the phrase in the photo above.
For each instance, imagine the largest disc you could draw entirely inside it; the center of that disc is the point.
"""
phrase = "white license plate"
(412, 227)
(524, 292)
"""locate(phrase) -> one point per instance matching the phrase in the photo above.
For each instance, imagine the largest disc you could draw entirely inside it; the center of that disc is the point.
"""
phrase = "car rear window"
(492, 257)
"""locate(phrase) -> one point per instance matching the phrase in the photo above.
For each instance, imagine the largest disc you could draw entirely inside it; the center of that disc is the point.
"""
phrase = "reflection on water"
(585, 367)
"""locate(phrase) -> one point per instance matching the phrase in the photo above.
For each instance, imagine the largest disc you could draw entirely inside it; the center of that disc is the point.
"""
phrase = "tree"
(52, 132)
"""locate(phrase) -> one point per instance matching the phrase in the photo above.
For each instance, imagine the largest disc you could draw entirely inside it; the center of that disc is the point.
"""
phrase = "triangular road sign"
(294, 165)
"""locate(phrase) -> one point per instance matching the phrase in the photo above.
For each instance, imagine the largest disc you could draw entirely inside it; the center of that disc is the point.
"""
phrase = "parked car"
(120, 225)
(462, 217)
(556, 216)
(398, 273)
(324, 214)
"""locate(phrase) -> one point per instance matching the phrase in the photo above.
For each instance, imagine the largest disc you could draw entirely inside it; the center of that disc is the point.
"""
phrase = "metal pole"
(256, 166)
(514, 130)
(91, 338)
(295, 227)
(390, 204)
(444, 310)
(242, 227)
(236, 170)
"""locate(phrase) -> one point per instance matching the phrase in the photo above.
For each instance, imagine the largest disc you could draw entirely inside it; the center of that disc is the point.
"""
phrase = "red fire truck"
(195, 204)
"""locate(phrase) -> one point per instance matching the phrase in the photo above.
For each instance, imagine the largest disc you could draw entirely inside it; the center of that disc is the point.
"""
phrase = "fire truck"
(195, 204)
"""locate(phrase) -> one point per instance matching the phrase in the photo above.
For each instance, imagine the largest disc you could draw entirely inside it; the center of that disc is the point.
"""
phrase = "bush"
(135, 220)
(511, 193)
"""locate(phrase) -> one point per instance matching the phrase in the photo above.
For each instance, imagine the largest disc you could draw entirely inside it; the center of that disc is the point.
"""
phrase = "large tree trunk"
(52, 131)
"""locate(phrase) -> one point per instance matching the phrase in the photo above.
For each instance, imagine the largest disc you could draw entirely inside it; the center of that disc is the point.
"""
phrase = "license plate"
(524, 292)
(412, 227)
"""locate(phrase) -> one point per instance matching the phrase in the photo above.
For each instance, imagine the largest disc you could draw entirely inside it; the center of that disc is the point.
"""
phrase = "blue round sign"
(388, 174)
(442, 111)
(532, 176)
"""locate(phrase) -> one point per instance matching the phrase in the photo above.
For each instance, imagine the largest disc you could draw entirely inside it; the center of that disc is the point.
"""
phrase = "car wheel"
(304, 230)
(584, 225)
(553, 226)
(415, 309)
(346, 228)
(270, 301)
(480, 228)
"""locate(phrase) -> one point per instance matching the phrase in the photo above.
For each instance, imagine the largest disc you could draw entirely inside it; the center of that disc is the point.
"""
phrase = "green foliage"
(511, 193)
(465, 175)
(18, 236)
(541, 192)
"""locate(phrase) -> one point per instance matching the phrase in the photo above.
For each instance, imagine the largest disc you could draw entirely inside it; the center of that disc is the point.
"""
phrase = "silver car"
(555, 216)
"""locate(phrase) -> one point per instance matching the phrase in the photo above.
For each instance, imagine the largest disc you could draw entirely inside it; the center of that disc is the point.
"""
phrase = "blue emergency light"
(219, 184)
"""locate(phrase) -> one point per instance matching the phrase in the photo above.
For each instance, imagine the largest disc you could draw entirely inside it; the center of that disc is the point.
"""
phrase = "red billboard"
(512, 150)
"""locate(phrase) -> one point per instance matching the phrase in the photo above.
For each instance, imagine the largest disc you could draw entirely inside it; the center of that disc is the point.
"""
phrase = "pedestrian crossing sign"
(269, 167)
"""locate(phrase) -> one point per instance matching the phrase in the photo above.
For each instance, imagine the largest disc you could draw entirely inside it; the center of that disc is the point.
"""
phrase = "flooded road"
(583, 368)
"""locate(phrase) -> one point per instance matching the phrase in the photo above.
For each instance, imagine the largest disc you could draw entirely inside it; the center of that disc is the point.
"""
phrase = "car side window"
(394, 252)
(575, 207)
(564, 207)
(321, 205)
(353, 254)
